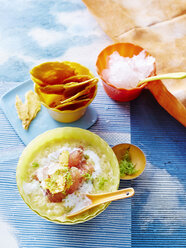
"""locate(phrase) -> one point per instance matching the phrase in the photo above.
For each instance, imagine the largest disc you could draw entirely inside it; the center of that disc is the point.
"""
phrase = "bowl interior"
(124, 49)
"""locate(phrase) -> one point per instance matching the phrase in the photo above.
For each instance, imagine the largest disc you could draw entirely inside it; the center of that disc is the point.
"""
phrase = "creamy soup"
(61, 175)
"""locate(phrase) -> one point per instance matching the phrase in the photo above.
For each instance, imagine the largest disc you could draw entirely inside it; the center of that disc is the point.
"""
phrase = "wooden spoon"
(98, 199)
(175, 75)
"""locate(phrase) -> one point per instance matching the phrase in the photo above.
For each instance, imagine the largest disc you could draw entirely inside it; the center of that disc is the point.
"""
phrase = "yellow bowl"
(51, 141)
(67, 116)
(39, 75)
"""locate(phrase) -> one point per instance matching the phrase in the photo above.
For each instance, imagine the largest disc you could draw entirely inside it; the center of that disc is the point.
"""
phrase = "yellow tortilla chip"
(27, 111)
(81, 88)
(48, 99)
(53, 100)
(83, 92)
(79, 69)
(51, 73)
(77, 78)
(33, 103)
(22, 111)
(73, 104)
(72, 86)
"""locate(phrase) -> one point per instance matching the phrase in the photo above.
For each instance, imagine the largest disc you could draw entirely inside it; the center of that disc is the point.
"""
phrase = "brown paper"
(160, 28)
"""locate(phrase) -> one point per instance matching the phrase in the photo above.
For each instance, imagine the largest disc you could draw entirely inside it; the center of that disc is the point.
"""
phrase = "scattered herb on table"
(126, 165)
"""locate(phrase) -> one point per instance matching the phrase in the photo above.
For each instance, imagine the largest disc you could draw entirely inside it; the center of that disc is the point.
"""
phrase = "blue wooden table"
(32, 32)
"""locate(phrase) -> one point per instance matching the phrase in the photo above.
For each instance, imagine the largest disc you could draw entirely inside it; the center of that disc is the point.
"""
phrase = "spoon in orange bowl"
(175, 75)
(97, 199)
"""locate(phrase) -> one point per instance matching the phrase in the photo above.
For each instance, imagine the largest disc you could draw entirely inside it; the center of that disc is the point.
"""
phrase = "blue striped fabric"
(112, 228)
(159, 205)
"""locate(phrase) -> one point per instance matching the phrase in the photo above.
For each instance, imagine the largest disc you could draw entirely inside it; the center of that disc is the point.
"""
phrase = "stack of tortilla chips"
(64, 86)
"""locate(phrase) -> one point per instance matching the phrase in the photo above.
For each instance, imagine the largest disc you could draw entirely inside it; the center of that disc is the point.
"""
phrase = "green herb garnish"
(126, 165)
(68, 180)
(35, 164)
(102, 182)
(87, 176)
(86, 156)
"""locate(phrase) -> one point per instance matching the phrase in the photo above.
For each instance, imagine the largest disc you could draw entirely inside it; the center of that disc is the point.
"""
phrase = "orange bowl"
(125, 50)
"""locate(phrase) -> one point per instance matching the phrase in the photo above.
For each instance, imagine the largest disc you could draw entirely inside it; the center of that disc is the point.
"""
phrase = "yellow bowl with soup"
(59, 167)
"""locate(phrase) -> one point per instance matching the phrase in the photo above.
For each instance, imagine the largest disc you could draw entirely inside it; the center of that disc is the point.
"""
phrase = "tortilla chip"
(77, 78)
(79, 69)
(81, 88)
(48, 99)
(33, 103)
(89, 94)
(53, 100)
(27, 111)
(22, 111)
(82, 99)
(69, 88)
(73, 104)
(50, 73)
(157, 26)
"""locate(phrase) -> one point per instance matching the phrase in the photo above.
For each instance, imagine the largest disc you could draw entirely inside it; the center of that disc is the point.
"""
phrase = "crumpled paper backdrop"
(160, 28)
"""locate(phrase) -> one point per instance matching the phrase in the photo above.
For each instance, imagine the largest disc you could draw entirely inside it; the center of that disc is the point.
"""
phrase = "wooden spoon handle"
(175, 75)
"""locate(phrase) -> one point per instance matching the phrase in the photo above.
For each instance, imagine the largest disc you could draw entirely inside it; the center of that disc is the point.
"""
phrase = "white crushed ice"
(125, 72)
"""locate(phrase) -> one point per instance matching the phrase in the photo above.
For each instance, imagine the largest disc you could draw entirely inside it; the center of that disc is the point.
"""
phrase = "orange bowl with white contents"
(121, 67)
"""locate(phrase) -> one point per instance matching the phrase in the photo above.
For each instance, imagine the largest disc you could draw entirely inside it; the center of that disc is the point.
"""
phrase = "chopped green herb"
(126, 165)
(68, 176)
(102, 182)
(86, 156)
(68, 208)
(87, 176)
(68, 180)
(35, 164)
